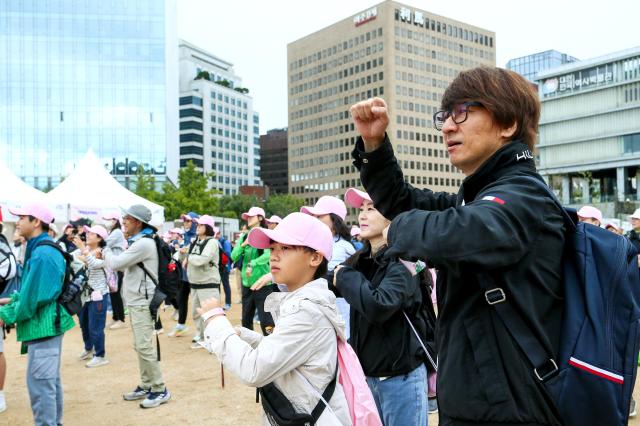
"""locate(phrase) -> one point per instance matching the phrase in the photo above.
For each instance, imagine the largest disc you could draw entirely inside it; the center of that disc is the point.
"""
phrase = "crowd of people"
(314, 283)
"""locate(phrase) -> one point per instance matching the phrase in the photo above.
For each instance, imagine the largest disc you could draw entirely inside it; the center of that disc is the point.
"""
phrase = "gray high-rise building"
(405, 55)
(76, 75)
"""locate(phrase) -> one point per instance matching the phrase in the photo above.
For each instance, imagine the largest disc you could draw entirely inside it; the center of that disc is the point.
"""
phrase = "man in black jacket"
(501, 227)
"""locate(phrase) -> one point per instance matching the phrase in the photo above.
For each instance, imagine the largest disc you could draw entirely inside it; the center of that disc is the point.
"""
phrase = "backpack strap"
(67, 258)
(544, 365)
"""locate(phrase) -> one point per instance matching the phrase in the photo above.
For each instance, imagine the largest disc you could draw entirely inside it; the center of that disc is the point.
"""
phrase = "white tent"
(15, 193)
(90, 191)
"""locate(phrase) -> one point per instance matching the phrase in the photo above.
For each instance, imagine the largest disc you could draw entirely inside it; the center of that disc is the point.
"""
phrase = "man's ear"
(507, 133)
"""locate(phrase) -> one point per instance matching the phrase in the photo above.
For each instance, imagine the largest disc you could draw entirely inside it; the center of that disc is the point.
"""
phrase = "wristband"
(212, 313)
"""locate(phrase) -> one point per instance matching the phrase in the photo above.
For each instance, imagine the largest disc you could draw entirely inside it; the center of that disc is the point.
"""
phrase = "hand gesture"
(262, 281)
(79, 243)
(335, 274)
(371, 118)
(208, 305)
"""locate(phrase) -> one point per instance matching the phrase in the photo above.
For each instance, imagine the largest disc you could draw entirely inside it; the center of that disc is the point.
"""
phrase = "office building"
(274, 160)
(406, 56)
(219, 130)
(589, 139)
(79, 75)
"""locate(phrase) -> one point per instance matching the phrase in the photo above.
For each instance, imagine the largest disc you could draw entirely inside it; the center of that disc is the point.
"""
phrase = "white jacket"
(304, 341)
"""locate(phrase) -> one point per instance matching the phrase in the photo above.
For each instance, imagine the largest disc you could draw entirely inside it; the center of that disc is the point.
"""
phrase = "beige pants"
(197, 297)
(144, 344)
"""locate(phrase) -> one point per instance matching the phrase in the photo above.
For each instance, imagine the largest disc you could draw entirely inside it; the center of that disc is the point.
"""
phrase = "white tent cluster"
(89, 191)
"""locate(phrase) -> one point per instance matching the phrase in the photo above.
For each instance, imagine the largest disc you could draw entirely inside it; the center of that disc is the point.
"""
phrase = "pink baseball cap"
(297, 229)
(97, 229)
(253, 211)
(176, 231)
(274, 219)
(206, 220)
(355, 231)
(590, 212)
(37, 210)
(354, 197)
(614, 226)
(325, 205)
(112, 216)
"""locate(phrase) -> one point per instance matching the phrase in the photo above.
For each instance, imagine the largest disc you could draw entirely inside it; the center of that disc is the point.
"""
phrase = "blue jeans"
(92, 321)
(402, 400)
(43, 381)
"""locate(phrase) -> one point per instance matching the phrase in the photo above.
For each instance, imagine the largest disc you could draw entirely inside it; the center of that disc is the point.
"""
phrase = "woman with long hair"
(386, 303)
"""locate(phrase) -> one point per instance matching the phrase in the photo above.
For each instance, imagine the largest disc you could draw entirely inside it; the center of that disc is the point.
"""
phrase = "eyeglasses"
(458, 114)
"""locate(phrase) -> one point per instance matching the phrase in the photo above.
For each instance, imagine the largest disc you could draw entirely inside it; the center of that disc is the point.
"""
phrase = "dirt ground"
(94, 396)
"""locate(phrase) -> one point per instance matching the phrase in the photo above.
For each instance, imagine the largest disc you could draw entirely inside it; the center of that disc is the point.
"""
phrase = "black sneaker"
(138, 393)
(155, 399)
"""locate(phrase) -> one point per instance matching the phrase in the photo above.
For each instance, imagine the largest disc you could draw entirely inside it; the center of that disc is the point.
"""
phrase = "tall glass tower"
(81, 74)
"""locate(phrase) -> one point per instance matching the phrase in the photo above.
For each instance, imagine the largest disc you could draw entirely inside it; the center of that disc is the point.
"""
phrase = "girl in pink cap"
(381, 291)
(94, 309)
(299, 359)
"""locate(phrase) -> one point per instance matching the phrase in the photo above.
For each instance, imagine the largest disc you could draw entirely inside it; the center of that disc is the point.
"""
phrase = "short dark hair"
(321, 272)
(508, 97)
(43, 226)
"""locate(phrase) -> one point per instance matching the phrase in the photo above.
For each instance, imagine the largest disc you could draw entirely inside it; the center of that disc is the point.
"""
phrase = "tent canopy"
(90, 191)
(15, 193)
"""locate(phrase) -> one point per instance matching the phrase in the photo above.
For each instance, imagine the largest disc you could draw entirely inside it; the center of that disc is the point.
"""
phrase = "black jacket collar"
(514, 158)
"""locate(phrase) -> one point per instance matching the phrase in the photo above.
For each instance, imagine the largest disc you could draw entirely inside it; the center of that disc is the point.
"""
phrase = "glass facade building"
(81, 74)
(528, 66)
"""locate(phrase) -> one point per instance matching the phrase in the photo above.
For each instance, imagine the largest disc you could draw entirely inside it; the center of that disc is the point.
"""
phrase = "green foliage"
(283, 204)
(190, 195)
(242, 90)
(235, 205)
(203, 75)
(225, 83)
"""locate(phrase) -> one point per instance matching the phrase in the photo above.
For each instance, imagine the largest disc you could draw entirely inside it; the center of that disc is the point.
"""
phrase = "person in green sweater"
(40, 321)
(255, 264)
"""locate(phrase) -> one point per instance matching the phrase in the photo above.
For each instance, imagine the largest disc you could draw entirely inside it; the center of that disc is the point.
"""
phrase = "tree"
(146, 185)
(235, 205)
(191, 194)
(242, 90)
(283, 204)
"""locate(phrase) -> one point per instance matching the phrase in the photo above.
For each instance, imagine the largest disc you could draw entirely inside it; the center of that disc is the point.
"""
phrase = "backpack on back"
(8, 260)
(592, 377)
(169, 271)
(72, 284)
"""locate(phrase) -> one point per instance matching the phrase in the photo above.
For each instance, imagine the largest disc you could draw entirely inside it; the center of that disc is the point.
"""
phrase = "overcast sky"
(253, 35)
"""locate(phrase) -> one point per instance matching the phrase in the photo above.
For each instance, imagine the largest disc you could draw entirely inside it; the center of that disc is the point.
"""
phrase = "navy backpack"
(592, 377)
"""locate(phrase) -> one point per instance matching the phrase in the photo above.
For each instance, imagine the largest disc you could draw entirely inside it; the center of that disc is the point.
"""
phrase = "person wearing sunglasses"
(502, 229)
